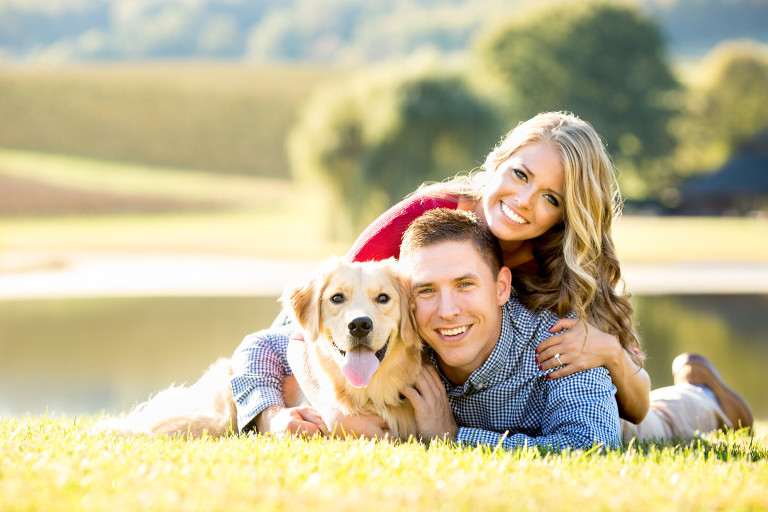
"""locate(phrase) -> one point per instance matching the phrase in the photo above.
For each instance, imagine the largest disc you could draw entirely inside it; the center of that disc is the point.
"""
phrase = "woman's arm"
(633, 387)
(582, 347)
(381, 240)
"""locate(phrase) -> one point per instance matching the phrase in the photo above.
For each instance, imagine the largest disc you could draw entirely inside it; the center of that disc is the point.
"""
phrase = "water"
(86, 356)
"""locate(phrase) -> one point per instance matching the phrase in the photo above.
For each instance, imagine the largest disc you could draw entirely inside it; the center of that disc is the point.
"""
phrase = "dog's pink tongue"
(359, 366)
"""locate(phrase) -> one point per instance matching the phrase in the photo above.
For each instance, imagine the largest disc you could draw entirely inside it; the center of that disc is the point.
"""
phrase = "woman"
(549, 194)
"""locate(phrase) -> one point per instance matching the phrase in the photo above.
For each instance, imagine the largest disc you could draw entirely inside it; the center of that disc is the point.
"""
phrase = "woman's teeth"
(512, 215)
(453, 332)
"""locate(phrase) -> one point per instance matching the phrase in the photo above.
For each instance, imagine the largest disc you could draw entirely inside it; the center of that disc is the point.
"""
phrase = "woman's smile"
(511, 214)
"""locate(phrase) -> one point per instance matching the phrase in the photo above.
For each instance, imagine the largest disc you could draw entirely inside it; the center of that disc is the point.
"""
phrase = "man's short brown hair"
(446, 225)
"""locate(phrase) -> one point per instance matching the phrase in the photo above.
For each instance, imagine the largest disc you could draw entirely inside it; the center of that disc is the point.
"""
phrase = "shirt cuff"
(474, 436)
(251, 404)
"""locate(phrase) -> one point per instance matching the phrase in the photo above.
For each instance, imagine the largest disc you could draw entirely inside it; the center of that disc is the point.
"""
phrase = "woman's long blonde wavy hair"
(578, 267)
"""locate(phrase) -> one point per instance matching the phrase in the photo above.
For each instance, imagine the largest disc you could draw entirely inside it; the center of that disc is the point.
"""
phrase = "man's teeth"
(512, 215)
(453, 332)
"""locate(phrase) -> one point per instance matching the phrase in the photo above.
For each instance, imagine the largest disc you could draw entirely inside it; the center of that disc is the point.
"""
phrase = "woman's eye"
(337, 298)
(383, 298)
(520, 174)
(552, 200)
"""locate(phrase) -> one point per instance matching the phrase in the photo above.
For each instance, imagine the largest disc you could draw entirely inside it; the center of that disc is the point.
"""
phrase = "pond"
(85, 356)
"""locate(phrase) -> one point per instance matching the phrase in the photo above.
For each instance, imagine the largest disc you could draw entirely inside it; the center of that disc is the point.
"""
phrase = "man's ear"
(504, 285)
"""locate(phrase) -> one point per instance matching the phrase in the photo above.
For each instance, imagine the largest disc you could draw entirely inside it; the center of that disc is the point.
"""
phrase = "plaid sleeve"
(259, 366)
(579, 411)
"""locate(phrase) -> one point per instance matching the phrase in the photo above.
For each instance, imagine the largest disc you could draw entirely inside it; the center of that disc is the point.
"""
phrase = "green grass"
(226, 117)
(59, 465)
(261, 217)
(102, 176)
(275, 218)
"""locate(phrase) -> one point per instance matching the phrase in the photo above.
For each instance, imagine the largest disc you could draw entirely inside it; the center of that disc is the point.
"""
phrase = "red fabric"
(381, 240)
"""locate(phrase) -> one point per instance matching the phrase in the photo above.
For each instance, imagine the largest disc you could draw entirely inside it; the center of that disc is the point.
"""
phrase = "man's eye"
(383, 298)
(337, 298)
(425, 291)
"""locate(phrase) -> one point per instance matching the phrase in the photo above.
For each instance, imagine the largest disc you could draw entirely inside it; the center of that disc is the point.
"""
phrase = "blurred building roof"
(739, 186)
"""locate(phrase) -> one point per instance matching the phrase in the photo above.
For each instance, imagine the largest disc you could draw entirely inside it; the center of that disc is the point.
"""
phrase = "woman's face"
(524, 197)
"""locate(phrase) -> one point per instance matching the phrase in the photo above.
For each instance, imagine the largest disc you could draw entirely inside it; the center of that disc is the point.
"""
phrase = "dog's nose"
(360, 326)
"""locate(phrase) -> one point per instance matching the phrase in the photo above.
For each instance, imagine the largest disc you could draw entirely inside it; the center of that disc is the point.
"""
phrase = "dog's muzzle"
(379, 353)
(360, 327)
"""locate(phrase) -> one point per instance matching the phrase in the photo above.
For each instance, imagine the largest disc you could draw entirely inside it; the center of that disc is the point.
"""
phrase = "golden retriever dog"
(360, 350)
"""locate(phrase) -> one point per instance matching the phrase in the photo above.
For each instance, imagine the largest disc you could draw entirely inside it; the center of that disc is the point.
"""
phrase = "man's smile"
(455, 331)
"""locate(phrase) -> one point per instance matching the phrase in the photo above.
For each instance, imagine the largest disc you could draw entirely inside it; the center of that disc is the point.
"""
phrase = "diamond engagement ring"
(557, 356)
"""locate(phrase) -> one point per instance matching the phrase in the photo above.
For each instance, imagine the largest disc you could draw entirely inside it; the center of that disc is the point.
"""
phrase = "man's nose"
(448, 306)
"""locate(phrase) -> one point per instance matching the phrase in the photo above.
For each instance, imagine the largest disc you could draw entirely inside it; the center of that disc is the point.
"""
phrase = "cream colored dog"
(360, 350)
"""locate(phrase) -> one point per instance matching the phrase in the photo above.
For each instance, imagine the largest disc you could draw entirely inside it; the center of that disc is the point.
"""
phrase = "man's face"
(458, 303)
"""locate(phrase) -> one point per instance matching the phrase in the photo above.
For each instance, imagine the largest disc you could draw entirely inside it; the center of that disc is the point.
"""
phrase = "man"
(484, 385)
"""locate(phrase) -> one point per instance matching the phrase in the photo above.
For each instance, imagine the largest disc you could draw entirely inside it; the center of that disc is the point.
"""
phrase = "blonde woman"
(548, 192)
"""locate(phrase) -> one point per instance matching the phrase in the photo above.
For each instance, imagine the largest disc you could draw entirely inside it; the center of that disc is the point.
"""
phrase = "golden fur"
(317, 362)
(207, 407)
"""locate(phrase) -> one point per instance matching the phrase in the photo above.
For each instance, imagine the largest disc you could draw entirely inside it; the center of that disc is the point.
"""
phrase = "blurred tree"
(376, 139)
(728, 107)
(605, 63)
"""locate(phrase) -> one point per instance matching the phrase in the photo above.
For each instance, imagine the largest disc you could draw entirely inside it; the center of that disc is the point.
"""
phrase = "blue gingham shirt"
(507, 401)
(259, 366)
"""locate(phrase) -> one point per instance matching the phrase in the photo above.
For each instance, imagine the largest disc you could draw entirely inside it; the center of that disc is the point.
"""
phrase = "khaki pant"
(677, 412)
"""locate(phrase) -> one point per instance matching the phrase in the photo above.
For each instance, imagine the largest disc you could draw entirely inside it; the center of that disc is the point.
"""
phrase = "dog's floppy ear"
(407, 318)
(305, 299)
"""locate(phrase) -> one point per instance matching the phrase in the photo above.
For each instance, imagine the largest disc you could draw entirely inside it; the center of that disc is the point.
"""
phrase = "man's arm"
(583, 346)
(259, 369)
(579, 411)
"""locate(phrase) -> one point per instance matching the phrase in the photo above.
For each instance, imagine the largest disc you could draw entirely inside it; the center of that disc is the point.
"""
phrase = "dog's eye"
(337, 298)
(383, 298)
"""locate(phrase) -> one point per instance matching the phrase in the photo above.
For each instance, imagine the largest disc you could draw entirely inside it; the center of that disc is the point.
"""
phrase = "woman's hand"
(579, 347)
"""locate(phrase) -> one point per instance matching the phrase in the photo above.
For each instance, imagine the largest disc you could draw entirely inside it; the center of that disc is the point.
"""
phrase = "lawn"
(224, 117)
(59, 465)
(272, 218)
(219, 213)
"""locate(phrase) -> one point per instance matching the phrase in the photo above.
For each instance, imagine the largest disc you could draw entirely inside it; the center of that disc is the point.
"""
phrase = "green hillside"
(210, 116)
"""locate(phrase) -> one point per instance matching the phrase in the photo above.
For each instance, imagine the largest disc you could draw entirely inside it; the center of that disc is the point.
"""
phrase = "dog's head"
(358, 311)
